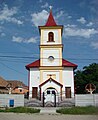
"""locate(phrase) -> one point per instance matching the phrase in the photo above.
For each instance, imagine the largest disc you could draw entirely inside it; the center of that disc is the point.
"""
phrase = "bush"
(21, 110)
(78, 110)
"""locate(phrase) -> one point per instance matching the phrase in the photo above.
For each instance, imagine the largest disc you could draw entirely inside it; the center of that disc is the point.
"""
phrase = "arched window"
(50, 36)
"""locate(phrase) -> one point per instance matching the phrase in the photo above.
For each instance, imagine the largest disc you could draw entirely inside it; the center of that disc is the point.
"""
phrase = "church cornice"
(51, 27)
(52, 46)
(51, 68)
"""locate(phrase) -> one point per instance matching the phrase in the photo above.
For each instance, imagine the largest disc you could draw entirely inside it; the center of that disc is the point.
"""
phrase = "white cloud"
(22, 40)
(8, 15)
(39, 18)
(72, 30)
(82, 20)
(17, 39)
(69, 17)
(70, 26)
(89, 24)
(40, 1)
(31, 40)
(3, 34)
(14, 20)
(60, 14)
(94, 45)
(45, 5)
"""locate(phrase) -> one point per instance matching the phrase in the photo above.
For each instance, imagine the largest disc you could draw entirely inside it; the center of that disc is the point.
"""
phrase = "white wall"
(56, 37)
(5, 98)
(50, 84)
(68, 79)
(45, 73)
(51, 52)
(34, 79)
(86, 100)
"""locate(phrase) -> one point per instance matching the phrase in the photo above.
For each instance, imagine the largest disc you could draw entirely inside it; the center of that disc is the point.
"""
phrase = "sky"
(20, 38)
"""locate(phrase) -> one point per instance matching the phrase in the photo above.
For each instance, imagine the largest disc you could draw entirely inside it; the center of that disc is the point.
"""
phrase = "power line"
(46, 58)
(37, 54)
(12, 69)
(16, 57)
(19, 61)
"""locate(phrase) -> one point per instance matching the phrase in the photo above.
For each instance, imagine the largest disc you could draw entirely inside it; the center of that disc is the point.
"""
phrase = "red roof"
(68, 64)
(33, 64)
(65, 63)
(50, 21)
(50, 79)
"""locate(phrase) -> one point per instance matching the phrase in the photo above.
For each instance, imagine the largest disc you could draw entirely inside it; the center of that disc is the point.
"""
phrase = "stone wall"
(6, 99)
(86, 100)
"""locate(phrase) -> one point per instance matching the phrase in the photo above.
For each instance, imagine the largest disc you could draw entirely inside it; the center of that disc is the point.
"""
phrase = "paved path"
(22, 116)
(45, 110)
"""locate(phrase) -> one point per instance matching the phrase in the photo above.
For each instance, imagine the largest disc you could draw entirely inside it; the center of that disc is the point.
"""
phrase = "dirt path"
(21, 116)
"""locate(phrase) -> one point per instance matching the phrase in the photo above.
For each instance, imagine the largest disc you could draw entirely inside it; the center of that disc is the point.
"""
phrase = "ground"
(22, 116)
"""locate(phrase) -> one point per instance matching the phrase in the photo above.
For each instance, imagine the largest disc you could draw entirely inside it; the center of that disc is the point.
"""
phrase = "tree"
(89, 74)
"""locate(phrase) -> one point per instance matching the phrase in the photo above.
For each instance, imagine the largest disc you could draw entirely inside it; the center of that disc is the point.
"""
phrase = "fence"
(86, 100)
(11, 100)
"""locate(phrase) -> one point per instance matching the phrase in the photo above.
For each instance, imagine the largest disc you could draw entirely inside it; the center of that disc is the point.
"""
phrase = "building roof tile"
(50, 79)
(3, 83)
(16, 83)
(36, 64)
(50, 20)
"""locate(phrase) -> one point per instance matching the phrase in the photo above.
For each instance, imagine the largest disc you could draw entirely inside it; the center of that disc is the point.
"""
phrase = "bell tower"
(51, 44)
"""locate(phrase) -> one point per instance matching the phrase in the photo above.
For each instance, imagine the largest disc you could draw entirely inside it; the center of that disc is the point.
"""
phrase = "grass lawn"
(90, 110)
(21, 110)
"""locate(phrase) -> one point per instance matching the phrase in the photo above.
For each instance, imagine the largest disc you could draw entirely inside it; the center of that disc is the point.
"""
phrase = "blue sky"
(19, 34)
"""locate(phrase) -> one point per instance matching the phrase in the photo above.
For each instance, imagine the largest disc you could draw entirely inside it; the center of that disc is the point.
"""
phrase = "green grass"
(21, 110)
(90, 110)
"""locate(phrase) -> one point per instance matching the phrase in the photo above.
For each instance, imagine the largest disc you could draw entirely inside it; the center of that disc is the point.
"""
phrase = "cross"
(50, 75)
(50, 7)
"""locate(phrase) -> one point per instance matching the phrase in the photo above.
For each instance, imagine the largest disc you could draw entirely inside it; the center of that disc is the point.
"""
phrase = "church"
(51, 74)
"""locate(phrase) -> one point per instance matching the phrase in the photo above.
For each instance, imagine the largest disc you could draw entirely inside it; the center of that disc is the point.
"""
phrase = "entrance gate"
(49, 97)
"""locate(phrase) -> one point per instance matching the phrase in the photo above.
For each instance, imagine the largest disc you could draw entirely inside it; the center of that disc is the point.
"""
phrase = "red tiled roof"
(68, 64)
(3, 82)
(65, 63)
(50, 79)
(50, 21)
(16, 83)
(33, 64)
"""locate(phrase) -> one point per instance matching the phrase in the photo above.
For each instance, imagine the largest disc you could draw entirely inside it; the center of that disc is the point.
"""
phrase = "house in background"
(18, 87)
(15, 87)
(12, 93)
(51, 74)
(3, 84)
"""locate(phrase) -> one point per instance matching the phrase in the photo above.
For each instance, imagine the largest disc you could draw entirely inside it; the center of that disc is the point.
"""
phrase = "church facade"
(51, 74)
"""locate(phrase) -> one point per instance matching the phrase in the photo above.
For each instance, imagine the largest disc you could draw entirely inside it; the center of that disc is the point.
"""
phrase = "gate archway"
(50, 97)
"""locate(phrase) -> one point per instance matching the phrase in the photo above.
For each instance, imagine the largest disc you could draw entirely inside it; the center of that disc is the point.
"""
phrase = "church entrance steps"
(33, 103)
(68, 102)
(48, 110)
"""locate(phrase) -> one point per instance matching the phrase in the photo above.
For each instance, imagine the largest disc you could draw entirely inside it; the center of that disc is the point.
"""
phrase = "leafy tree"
(89, 74)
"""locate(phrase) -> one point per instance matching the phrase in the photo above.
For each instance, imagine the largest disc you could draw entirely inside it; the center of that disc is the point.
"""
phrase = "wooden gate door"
(34, 92)
(68, 92)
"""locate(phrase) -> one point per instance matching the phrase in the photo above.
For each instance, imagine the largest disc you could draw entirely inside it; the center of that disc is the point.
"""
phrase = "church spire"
(50, 21)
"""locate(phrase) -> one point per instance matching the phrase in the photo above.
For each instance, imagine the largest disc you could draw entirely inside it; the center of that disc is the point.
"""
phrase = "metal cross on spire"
(50, 7)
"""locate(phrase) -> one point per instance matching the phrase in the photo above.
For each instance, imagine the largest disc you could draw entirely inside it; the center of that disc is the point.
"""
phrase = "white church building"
(51, 74)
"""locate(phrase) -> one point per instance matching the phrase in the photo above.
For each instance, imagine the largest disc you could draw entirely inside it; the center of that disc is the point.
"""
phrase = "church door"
(68, 92)
(50, 95)
(34, 92)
